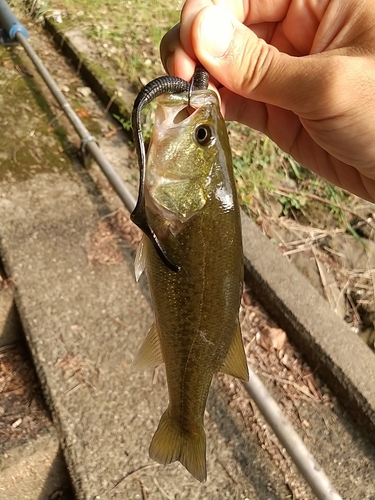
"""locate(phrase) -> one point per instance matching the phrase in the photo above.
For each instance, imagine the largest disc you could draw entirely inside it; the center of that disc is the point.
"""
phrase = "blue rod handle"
(9, 21)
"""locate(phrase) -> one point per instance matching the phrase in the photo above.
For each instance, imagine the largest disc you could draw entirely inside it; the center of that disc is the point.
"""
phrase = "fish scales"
(192, 207)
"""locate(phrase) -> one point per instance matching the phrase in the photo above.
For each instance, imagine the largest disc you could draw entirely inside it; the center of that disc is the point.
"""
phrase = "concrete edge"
(107, 95)
(345, 362)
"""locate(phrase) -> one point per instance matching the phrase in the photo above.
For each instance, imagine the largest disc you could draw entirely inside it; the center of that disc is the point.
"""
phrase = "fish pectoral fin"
(140, 259)
(171, 443)
(149, 354)
(235, 363)
(182, 197)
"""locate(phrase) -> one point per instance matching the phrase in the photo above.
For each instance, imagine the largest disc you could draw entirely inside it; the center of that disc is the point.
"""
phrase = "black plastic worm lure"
(162, 85)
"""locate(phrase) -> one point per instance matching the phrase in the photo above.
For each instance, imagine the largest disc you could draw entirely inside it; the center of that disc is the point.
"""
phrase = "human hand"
(301, 72)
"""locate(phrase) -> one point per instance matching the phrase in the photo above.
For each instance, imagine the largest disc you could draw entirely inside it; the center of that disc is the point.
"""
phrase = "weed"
(292, 201)
(135, 36)
(35, 8)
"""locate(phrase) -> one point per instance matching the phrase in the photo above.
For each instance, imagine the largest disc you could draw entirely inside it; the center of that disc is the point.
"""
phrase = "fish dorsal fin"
(235, 363)
(149, 354)
(140, 259)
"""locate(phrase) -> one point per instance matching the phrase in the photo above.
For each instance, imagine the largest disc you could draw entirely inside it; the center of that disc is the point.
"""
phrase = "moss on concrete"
(32, 139)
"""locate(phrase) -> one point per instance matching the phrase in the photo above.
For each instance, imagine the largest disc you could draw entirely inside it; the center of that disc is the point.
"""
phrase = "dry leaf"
(271, 338)
(82, 113)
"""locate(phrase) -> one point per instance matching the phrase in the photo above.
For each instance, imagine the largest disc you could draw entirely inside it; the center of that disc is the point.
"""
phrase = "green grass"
(127, 32)
(266, 175)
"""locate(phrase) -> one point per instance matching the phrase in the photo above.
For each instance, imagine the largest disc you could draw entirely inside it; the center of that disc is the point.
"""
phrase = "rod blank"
(288, 437)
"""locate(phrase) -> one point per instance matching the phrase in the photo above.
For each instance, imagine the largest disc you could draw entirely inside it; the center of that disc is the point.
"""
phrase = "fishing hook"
(157, 87)
(199, 81)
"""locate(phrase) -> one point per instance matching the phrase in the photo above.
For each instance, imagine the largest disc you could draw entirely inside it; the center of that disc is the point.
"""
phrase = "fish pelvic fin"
(140, 259)
(171, 443)
(235, 363)
(150, 353)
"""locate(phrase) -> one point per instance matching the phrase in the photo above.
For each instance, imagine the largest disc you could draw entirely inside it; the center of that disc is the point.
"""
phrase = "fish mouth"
(176, 110)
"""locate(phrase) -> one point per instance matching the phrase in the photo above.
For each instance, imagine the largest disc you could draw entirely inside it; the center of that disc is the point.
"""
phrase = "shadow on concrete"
(244, 452)
(57, 485)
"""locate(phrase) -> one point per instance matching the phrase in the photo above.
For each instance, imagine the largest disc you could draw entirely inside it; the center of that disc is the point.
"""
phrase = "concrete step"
(31, 462)
(35, 470)
(84, 317)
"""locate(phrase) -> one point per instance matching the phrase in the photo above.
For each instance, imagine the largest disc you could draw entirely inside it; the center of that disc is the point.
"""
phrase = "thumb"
(248, 66)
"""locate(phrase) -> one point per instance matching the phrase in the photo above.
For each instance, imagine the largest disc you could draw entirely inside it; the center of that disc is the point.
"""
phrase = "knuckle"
(254, 61)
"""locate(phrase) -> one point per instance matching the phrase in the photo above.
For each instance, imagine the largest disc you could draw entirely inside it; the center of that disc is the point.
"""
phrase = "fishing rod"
(14, 31)
(290, 439)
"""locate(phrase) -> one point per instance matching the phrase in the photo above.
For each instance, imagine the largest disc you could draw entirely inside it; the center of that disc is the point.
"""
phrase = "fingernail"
(216, 31)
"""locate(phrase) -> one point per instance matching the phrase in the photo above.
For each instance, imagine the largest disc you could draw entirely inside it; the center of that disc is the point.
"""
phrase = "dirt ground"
(338, 446)
(22, 408)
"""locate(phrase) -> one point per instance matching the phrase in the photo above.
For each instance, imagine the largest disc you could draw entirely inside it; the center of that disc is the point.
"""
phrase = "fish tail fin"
(171, 443)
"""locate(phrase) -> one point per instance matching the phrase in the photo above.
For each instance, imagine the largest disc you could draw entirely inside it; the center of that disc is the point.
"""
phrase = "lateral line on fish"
(183, 413)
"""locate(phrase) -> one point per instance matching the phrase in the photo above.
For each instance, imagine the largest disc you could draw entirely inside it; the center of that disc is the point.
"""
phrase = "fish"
(192, 209)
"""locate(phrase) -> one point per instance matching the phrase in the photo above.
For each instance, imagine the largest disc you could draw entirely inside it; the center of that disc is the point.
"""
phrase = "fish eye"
(203, 135)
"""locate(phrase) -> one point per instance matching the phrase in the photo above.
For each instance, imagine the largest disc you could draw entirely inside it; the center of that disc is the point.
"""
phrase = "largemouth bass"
(192, 210)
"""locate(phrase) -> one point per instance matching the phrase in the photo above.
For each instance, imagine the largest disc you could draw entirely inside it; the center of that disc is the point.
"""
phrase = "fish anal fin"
(140, 259)
(150, 353)
(235, 363)
(171, 443)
